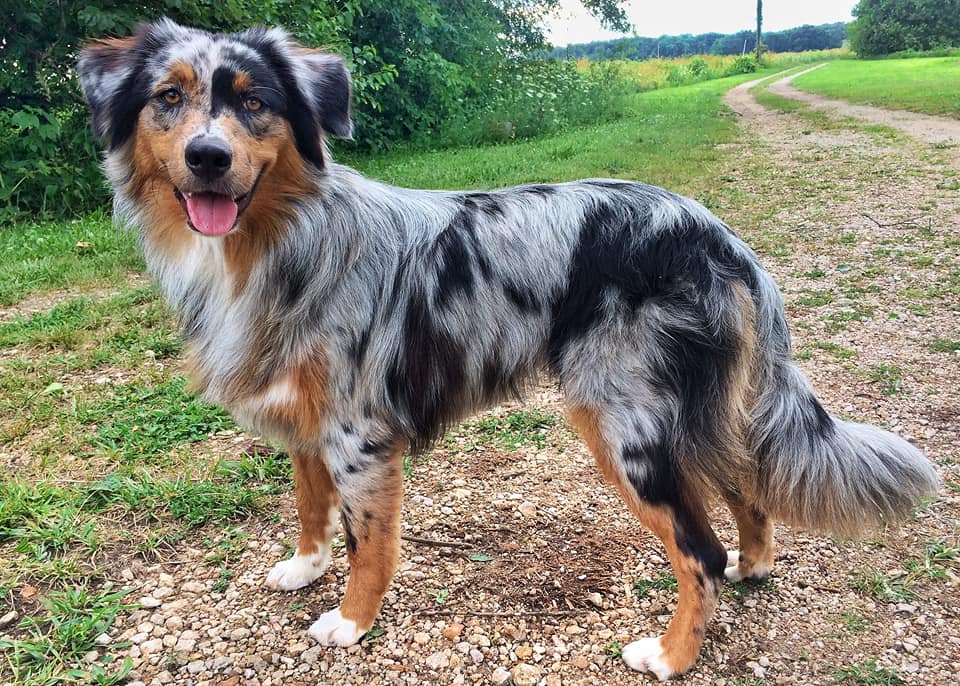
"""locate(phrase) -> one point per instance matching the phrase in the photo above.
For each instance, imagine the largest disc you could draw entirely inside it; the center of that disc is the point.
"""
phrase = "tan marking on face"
(377, 532)
(284, 177)
(184, 76)
(242, 82)
(159, 165)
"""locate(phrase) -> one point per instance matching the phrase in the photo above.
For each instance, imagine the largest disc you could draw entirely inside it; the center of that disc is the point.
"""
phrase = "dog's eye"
(253, 103)
(171, 96)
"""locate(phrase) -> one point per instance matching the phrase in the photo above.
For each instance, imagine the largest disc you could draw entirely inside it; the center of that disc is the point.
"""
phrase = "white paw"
(646, 655)
(333, 630)
(760, 570)
(298, 571)
(732, 572)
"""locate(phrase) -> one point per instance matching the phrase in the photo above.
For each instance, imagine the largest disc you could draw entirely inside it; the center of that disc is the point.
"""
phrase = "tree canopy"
(807, 37)
(882, 27)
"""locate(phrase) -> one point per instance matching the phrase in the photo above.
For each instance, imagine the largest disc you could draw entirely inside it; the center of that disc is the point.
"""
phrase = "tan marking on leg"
(376, 530)
(684, 636)
(756, 540)
(316, 498)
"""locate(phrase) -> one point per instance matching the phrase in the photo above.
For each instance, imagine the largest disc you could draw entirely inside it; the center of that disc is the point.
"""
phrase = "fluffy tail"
(824, 473)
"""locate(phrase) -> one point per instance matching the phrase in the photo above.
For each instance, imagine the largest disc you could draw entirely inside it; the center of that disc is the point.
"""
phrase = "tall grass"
(682, 71)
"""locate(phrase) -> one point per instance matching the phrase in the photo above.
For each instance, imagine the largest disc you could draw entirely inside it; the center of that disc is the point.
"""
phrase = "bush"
(745, 64)
(530, 98)
(48, 163)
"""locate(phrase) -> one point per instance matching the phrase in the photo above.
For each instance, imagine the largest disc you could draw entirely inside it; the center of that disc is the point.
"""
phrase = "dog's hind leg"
(645, 472)
(371, 491)
(754, 560)
(317, 509)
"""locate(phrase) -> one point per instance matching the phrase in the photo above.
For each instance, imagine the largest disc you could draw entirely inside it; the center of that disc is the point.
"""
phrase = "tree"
(882, 27)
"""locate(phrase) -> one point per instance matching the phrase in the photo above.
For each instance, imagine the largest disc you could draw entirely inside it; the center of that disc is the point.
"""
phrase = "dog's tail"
(816, 470)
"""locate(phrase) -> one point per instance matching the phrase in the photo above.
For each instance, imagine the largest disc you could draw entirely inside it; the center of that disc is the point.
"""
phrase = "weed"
(854, 623)
(665, 581)
(881, 586)
(614, 649)
(888, 376)
(944, 345)
(58, 641)
(867, 674)
(516, 430)
(143, 422)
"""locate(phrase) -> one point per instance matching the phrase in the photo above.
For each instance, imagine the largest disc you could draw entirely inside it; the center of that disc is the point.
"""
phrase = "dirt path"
(924, 127)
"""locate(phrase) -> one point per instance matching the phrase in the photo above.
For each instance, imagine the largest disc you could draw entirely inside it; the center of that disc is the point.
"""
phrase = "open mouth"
(213, 214)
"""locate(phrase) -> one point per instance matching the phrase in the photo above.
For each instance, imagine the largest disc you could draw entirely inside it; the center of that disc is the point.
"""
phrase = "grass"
(668, 140)
(924, 84)
(54, 645)
(75, 255)
(516, 430)
(868, 673)
(664, 581)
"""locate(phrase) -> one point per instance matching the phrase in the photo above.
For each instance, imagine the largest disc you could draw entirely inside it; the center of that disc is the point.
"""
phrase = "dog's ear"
(105, 67)
(327, 85)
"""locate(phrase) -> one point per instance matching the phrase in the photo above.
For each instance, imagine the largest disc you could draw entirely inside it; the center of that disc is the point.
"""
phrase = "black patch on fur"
(522, 298)
(696, 539)
(427, 379)
(359, 349)
(306, 129)
(348, 537)
(541, 189)
(486, 203)
(687, 270)
(454, 255)
(376, 448)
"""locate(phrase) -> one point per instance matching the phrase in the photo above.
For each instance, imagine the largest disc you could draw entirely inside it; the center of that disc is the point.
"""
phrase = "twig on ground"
(436, 543)
(477, 613)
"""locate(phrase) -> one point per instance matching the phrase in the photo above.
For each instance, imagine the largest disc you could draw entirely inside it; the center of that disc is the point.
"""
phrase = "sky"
(671, 17)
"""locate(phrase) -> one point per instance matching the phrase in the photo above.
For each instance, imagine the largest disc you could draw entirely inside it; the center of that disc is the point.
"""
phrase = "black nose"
(208, 158)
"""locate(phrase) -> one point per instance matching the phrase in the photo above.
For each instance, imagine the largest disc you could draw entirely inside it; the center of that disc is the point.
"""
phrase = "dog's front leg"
(371, 490)
(317, 509)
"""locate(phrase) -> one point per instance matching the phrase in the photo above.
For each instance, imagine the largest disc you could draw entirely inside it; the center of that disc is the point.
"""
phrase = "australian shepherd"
(351, 321)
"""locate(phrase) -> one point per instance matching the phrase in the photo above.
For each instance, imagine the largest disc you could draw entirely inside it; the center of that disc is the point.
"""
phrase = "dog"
(351, 320)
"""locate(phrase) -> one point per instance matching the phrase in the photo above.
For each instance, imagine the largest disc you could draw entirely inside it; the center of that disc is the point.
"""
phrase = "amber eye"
(253, 103)
(171, 96)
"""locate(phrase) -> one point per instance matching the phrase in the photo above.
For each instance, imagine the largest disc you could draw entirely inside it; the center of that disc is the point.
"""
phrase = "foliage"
(529, 98)
(882, 27)
(807, 37)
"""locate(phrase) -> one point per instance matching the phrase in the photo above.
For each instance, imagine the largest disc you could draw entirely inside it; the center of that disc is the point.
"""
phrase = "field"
(137, 524)
(678, 71)
(922, 84)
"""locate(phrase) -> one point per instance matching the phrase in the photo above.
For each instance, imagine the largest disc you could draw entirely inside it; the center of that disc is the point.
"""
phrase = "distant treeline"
(807, 37)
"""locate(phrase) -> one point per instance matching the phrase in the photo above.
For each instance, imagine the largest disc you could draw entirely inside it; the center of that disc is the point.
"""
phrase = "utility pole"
(759, 25)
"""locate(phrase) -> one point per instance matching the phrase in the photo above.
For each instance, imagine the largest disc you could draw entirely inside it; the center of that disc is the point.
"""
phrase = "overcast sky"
(670, 17)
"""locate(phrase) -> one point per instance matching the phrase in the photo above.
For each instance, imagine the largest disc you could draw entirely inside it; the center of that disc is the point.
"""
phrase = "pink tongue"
(211, 213)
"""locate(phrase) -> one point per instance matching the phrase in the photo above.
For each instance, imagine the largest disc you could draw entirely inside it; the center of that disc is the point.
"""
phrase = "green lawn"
(922, 84)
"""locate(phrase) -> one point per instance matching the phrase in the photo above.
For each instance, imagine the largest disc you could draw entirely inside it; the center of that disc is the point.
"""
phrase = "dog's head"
(204, 117)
